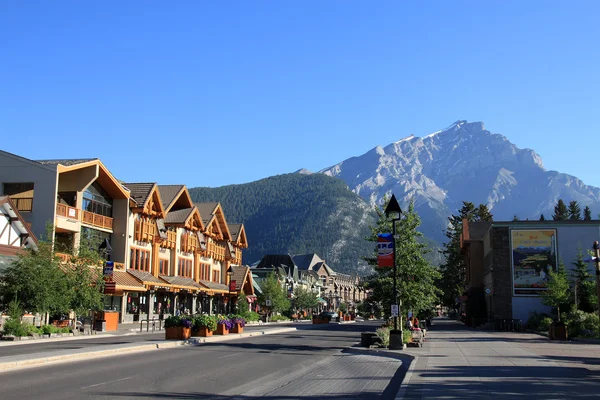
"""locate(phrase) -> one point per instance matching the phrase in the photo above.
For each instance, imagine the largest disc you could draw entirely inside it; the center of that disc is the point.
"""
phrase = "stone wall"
(502, 274)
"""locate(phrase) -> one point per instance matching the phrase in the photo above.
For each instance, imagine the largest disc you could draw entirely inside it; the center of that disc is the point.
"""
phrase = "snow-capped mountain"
(462, 162)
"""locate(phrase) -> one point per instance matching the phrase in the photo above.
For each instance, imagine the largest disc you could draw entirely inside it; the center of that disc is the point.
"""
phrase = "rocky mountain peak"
(461, 162)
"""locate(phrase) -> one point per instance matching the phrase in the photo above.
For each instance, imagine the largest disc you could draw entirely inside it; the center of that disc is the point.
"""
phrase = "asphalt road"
(305, 364)
(99, 341)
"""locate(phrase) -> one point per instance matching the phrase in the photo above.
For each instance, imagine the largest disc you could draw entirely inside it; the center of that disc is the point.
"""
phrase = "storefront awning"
(180, 282)
(213, 287)
(124, 281)
(148, 279)
(322, 301)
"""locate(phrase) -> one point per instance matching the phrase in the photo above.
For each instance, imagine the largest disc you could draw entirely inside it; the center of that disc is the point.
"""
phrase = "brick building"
(507, 263)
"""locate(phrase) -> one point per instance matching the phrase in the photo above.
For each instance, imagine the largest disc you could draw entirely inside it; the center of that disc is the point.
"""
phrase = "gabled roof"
(146, 197)
(140, 192)
(8, 208)
(215, 286)
(241, 275)
(206, 210)
(211, 211)
(179, 216)
(168, 193)
(67, 162)
(307, 261)
(238, 235)
(276, 260)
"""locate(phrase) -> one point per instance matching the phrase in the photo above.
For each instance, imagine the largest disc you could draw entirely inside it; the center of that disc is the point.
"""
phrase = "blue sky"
(214, 93)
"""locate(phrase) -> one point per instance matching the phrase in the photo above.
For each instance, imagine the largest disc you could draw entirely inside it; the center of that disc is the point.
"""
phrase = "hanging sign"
(232, 286)
(385, 250)
(109, 267)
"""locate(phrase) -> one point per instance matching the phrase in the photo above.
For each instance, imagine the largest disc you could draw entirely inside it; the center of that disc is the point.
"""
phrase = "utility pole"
(597, 255)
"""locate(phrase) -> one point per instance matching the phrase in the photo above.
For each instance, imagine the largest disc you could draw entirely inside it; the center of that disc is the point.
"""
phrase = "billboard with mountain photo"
(533, 255)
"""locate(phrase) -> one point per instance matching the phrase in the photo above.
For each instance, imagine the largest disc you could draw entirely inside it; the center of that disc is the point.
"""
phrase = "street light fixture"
(230, 275)
(597, 255)
(393, 212)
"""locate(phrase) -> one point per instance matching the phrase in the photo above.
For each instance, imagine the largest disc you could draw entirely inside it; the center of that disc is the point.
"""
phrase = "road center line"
(230, 355)
(107, 382)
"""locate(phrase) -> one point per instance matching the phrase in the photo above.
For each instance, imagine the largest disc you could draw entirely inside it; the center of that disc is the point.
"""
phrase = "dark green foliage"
(587, 214)
(304, 299)
(584, 286)
(297, 214)
(416, 277)
(453, 269)
(272, 290)
(574, 211)
(561, 212)
(516, 218)
(558, 293)
(542, 218)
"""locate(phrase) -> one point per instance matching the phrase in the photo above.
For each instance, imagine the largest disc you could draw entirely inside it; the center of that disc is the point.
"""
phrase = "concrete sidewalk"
(460, 363)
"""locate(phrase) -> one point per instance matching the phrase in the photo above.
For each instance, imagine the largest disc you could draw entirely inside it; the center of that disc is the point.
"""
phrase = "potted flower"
(224, 324)
(178, 328)
(204, 325)
(238, 324)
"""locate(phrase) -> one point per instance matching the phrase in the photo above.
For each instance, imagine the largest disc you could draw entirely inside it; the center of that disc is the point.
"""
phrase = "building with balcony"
(15, 234)
(168, 256)
(81, 200)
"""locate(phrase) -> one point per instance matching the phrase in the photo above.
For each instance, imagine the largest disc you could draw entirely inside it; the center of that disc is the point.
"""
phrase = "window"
(163, 267)
(205, 272)
(21, 194)
(96, 200)
(185, 267)
(139, 259)
(216, 276)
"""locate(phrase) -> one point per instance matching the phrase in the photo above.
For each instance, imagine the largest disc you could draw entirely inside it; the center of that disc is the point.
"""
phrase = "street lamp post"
(393, 212)
(230, 302)
(597, 255)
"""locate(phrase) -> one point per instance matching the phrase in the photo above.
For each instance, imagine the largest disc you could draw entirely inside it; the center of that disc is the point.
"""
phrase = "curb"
(87, 355)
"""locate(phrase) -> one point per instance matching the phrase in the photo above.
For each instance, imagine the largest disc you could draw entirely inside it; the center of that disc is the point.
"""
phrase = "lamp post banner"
(385, 250)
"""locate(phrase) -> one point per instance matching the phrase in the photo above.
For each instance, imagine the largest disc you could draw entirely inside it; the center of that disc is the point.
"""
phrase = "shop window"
(216, 277)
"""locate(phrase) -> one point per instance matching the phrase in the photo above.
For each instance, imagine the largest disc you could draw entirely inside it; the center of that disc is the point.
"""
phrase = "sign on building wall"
(533, 255)
(385, 250)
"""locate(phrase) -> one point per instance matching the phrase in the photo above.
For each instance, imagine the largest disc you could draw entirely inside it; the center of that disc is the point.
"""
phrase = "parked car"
(331, 315)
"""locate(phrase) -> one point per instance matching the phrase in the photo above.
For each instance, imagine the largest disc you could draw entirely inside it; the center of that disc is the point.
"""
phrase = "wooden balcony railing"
(189, 243)
(171, 241)
(215, 251)
(23, 204)
(98, 220)
(67, 211)
(145, 230)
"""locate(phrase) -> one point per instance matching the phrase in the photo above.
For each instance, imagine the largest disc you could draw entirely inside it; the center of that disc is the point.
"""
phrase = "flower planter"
(203, 331)
(237, 328)
(178, 333)
(222, 330)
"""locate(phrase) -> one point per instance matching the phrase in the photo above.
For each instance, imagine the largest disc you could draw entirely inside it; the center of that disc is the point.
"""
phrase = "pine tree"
(574, 211)
(587, 214)
(542, 218)
(560, 211)
(516, 218)
(453, 269)
(583, 284)
(416, 278)
(483, 213)
(558, 290)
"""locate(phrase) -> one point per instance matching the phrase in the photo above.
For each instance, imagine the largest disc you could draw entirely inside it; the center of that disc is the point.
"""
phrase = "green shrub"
(582, 324)
(207, 321)
(538, 322)
(384, 334)
(406, 336)
(251, 316)
(276, 318)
